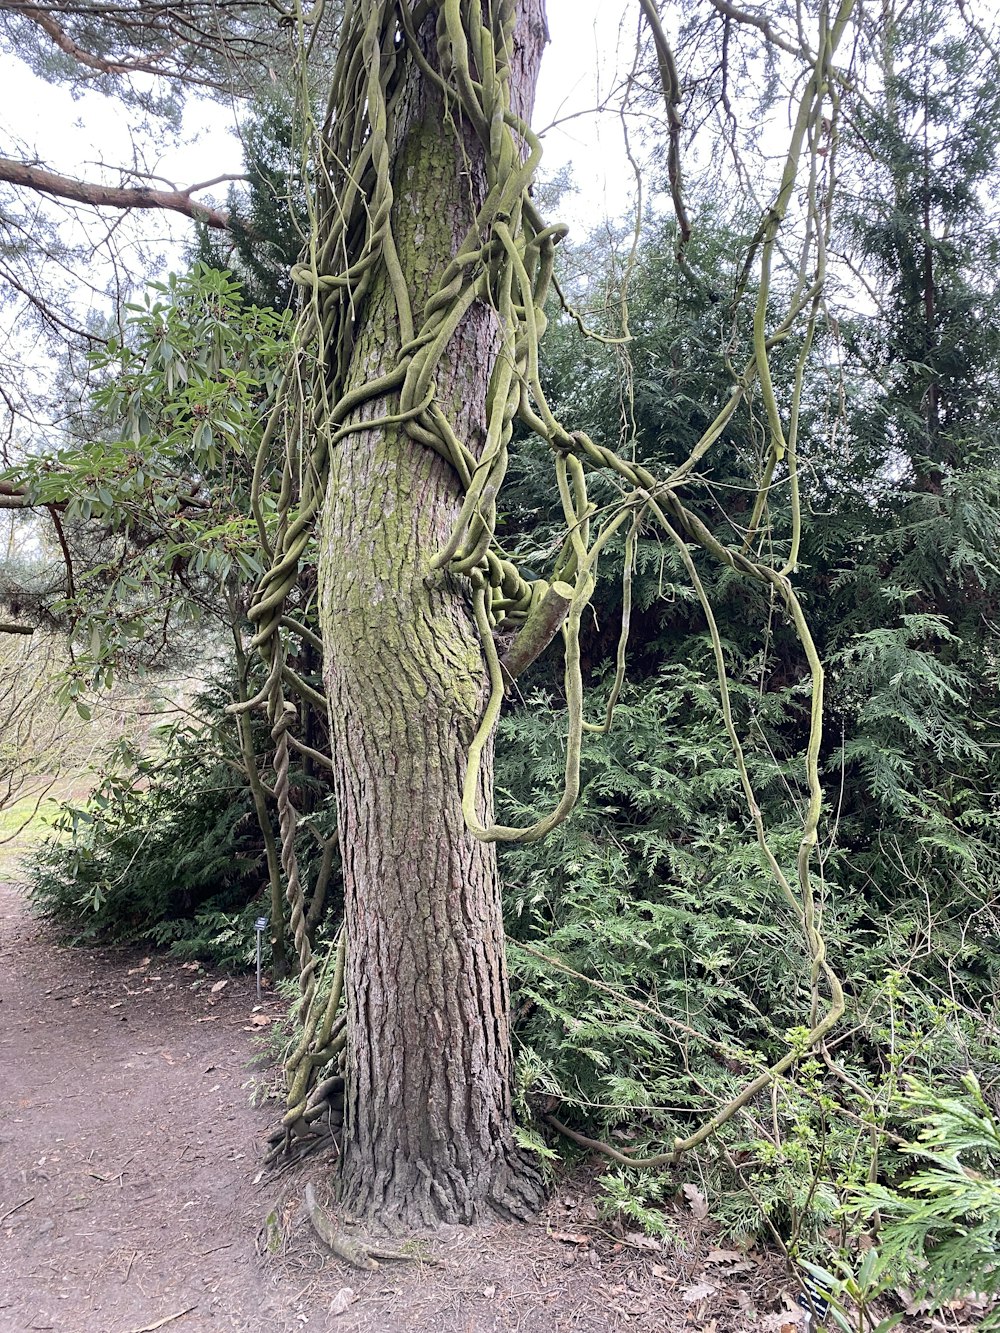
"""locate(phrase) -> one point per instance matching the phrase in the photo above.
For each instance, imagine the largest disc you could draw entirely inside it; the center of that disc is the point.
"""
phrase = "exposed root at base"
(318, 1127)
(358, 1253)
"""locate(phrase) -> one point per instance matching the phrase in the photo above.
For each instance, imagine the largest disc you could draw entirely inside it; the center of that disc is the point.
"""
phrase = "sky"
(86, 137)
(585, 59)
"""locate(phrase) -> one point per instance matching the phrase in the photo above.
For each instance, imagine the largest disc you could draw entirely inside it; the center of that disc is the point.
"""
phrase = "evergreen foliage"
(941, 1226)
(267, 211)
(167, 849)
(651, 908)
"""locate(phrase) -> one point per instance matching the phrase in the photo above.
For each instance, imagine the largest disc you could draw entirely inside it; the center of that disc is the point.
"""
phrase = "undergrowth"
(655, 973)
(166, 849)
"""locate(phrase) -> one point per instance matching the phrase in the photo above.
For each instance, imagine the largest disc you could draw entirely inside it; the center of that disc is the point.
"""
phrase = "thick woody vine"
(507, 260)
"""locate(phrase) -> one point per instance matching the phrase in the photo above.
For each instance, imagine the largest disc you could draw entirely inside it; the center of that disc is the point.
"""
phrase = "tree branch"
(762, 25)
(538, 630)
(64, 547)
(12, 497)
(165, 21)
(46, 312)
(65, 43)
(110, 196)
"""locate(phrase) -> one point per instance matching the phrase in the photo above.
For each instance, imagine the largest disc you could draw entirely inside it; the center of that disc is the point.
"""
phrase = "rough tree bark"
(428, 1129)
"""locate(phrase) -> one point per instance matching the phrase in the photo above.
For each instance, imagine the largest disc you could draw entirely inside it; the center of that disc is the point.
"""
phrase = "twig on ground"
(17, 1207)
(167, 1319)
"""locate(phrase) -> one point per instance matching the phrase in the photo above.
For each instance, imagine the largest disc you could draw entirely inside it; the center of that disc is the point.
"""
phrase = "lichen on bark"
(428, 1132)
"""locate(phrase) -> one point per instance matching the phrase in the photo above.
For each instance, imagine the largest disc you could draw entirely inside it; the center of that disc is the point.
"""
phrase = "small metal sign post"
(260, 925)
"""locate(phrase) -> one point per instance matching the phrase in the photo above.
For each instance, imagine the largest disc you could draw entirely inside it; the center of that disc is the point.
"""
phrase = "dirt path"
(126, 1142)
(131, 1193)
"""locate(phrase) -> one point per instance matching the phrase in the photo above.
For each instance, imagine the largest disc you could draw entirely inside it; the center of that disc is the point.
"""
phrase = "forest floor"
(132, 1192)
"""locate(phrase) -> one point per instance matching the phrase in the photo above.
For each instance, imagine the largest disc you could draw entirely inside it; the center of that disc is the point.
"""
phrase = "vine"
(465, 51)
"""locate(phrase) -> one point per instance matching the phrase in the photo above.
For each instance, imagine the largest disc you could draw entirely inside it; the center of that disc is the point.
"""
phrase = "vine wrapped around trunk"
(427, 1131)
(425, 283)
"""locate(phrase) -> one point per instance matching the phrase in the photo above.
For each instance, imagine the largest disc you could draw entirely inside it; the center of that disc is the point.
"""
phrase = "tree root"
(358, 1253)
(319, 1124)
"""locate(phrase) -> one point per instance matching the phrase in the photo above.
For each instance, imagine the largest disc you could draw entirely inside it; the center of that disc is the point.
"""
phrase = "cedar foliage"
(655, 889)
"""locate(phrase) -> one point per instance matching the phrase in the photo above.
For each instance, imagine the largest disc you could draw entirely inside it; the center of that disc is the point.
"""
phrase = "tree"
(428, 1130)
(424, 282)
(446, 1148)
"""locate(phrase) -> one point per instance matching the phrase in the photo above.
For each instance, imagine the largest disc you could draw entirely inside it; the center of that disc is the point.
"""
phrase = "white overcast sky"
(583, 62)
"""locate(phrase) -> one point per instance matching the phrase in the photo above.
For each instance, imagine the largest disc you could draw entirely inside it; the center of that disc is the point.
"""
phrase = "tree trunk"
(428, 1128)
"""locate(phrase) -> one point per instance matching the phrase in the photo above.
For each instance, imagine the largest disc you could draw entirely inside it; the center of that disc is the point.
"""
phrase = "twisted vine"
(465, 51)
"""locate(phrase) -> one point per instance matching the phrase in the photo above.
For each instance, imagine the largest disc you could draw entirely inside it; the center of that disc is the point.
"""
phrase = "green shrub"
(166, 849)
(940, 1223)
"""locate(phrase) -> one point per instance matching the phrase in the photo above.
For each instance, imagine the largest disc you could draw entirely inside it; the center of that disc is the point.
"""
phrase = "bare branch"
(44, 309)
(671, 86)
(761, 24)
(110, 196)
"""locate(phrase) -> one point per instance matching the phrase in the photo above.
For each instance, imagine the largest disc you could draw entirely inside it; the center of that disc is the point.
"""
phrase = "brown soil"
(132, 1195)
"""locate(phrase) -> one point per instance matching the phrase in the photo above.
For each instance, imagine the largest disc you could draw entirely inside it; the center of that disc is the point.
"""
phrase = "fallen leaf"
(215, 990)
(643, 1242)
(698, 1292)
(783, 1322)
(695, 1200)
(342, 1300)
(723, 1257)
(911, 1305)
(660, 1271)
